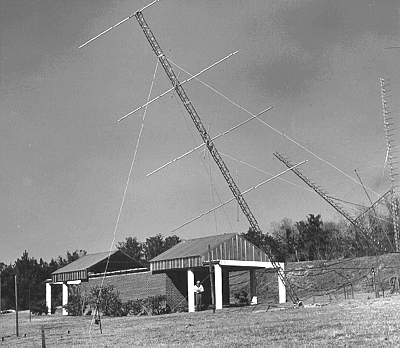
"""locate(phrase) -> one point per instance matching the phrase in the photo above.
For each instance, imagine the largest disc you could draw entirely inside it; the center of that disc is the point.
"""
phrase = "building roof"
(95, 263)
(193, 247)
(194, 252)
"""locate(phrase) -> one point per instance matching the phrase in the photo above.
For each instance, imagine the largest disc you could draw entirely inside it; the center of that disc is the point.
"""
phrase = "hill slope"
(330, 279)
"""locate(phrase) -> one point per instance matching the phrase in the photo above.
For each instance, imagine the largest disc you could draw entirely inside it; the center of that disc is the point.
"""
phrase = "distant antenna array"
(372, 207)
(389, 158)
(355, 222)
(319, 191)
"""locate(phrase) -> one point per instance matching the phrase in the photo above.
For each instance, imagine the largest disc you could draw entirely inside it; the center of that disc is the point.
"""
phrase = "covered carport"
(81, 270)
(189, 261)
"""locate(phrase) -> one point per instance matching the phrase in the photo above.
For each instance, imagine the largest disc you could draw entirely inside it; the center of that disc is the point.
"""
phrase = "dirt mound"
(317, 279)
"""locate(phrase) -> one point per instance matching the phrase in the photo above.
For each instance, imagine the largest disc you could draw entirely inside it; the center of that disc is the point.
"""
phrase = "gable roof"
(96, 263)
(194, 252)
(193, 247)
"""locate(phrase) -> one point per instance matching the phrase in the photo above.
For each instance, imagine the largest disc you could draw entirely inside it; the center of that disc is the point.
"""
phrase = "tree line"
(152, 247)
(32, 273)
(288, 241)
(312, 239)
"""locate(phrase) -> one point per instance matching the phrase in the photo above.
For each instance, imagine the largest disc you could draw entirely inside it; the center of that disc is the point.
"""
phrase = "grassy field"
(355, 322)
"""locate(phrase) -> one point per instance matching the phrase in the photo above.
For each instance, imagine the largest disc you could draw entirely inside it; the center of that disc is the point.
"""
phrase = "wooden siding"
(95, 263)
(181, 263)
(236, 248)
(67, 276)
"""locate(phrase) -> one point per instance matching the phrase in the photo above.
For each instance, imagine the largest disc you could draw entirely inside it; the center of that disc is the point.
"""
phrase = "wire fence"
(325, 282)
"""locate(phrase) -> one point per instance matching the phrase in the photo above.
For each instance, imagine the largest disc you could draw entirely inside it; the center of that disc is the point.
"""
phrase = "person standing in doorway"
(198, 293)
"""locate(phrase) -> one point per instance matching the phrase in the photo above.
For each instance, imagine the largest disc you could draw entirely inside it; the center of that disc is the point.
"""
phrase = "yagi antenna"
(205, 137)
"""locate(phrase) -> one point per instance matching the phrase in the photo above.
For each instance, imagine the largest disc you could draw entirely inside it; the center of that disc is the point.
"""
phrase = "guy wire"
(275, 130)
(124, 194)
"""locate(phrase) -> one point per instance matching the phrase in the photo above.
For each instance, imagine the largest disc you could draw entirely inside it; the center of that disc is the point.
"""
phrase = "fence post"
(352, 291)
(374, 282)
(16, 306)
(43, 338)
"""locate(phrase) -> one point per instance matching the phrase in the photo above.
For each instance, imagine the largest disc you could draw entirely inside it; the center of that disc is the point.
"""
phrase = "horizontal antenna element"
(172, 88)
(116, 25)
(212, 139)
(230, 200)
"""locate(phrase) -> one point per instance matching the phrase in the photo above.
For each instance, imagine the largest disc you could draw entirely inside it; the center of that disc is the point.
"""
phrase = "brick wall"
(141, 285)
(176, 287)
(131, 286)
(173, 285)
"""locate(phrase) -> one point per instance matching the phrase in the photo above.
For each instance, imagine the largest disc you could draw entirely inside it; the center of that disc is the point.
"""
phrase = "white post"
(281, 286)
(218, 286)
(64, 297)
(48, 297)
(190, 284)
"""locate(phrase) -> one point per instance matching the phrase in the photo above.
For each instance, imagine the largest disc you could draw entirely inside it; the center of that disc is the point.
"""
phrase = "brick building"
(173, 273)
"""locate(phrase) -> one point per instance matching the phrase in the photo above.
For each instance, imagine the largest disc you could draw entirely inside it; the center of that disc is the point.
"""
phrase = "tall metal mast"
(387, 124)
(209, 144)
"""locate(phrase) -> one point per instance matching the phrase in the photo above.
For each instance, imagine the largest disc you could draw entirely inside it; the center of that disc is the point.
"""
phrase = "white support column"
(190, 284)
(64, 297)
(48, 297)
(281, 286)
(218, 286)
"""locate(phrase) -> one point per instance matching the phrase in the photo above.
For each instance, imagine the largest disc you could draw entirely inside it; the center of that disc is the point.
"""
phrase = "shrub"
(241, 296)
(5, 303)
(155, 305)
(132, 307)
(107, 300)
(77, 303)
(39, 307)
(109, 304)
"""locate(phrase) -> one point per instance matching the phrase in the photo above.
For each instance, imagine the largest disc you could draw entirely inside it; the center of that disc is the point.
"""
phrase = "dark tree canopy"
(31, 275)
(156, 245)
(70, 258)
(312, 238)
(132, 247)
(152, 247)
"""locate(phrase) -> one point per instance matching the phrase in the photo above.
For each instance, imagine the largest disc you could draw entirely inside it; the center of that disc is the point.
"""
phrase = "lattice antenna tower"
(387, 123)
(209, 144)
(372, 207)
(319, 191)
(177, 85)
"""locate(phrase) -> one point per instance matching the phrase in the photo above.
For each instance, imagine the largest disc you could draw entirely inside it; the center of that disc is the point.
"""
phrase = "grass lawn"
(358, 322)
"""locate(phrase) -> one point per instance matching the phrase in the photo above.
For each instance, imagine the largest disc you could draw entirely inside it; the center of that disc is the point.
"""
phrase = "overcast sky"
(65, 158)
